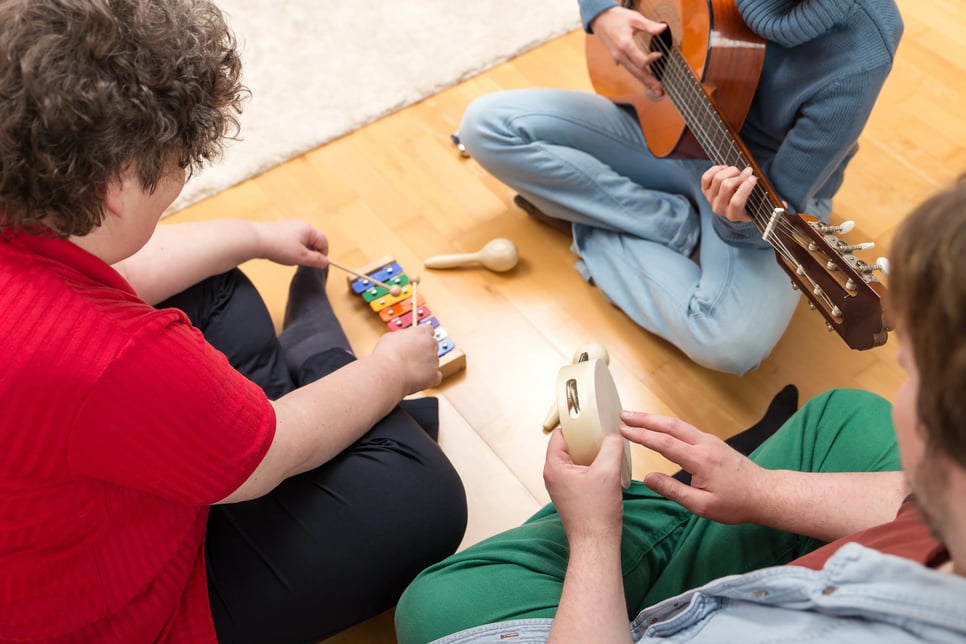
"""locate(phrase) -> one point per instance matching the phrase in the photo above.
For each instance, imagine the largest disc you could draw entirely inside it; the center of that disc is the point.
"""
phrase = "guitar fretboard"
(708, 126)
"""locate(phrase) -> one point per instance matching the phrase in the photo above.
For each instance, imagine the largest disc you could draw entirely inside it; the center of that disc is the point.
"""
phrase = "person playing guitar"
(676, 229)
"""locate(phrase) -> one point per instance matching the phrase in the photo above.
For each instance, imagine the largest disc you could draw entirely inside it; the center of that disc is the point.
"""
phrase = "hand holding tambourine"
(588, 408)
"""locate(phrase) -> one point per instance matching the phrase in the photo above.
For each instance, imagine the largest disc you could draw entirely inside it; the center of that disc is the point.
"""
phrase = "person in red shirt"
(170, 469)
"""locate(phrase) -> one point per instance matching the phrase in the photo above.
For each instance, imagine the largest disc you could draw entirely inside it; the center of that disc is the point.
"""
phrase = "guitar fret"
(711, 132)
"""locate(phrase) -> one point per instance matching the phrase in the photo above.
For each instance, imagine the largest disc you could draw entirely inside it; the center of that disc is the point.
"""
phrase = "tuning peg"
(848, 248)
(881, 264)
(845, 227)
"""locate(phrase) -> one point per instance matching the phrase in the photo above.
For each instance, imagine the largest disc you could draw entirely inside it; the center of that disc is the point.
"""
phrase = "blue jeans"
(637, 220)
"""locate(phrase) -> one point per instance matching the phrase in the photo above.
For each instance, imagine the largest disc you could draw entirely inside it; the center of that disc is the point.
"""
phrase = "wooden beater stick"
(415, 280)
(393, 290)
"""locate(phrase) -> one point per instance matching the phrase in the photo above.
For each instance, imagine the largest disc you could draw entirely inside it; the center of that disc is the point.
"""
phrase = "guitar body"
(724, 54)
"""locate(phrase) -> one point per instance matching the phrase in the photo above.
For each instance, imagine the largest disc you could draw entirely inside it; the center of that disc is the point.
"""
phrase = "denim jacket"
(860, 595)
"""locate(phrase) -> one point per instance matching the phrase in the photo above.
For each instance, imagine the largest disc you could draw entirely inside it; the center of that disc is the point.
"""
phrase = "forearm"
(592, 605)
(319, 420)
(827, 505)
(180, 255)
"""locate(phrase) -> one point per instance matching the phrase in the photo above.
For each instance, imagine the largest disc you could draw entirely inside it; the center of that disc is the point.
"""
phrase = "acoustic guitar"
(709, 69)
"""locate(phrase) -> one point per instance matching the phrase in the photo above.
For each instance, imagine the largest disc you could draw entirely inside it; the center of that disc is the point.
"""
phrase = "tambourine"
(589, 409)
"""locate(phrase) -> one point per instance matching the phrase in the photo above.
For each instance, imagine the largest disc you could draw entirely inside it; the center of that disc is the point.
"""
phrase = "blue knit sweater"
(825, 62)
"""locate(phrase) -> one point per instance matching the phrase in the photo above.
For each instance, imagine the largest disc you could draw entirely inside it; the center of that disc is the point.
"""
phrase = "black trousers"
(333, 546)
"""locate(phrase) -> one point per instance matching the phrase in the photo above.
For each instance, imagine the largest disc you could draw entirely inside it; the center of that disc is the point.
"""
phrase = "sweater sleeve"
(825, 65)
(590, 9)
(824, 136)
(820, 142)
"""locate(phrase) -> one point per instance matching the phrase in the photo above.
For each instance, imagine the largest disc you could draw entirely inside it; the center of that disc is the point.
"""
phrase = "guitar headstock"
(839, 285)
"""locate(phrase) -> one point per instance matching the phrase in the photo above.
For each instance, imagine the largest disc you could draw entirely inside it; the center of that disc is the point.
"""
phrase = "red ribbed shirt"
(906, 536)
(120, 425)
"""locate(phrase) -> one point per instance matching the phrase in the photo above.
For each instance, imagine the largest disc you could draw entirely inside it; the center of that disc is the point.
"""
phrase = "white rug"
(319, 69)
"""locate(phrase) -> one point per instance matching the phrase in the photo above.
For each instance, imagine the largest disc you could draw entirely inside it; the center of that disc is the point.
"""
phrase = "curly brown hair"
(90, 89)
(928, 299)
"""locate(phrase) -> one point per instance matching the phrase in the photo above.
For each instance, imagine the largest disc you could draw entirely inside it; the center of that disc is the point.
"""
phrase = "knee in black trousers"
(336, 545)
(228, 309)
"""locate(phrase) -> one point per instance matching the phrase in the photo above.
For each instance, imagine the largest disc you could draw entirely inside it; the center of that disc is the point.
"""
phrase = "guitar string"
(711, 131)
(681, 77)
(674, 68)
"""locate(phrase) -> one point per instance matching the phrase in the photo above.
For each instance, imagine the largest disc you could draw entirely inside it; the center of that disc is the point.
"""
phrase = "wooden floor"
(399, 188)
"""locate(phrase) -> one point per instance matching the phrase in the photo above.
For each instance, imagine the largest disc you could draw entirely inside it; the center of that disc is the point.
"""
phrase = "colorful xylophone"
(397, 311)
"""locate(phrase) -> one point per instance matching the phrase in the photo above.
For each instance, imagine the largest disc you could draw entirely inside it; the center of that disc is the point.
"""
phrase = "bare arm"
(180, 255)
(828, 505)
(317, 421)
(592, 602)
(588, 500)
(728, 487)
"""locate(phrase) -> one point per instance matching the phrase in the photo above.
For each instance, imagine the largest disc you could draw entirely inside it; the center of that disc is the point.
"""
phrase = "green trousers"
(665, 549)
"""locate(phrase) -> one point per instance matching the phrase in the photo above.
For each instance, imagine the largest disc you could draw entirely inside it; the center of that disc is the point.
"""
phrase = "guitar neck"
(841, 286)
(713, 132)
